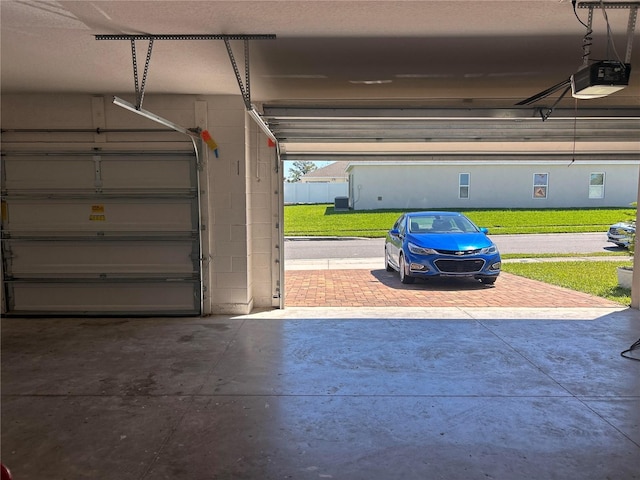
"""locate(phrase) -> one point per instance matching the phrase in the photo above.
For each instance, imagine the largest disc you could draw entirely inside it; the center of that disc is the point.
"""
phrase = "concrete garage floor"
(442, 393)
(448, 390)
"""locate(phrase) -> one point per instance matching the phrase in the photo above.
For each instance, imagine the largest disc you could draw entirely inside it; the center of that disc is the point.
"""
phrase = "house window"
(463, 185)
(596, 185)
(540, 185)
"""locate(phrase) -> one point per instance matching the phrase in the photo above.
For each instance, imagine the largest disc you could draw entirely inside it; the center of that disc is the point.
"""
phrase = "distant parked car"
(622, 233)
(440, 244)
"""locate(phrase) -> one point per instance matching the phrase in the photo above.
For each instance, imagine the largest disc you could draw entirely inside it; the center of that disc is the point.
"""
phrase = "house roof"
(333, 170)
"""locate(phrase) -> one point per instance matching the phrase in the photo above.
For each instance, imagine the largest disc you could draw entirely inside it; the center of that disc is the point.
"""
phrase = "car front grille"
(619, 231)
(459, 266)
(460, 253)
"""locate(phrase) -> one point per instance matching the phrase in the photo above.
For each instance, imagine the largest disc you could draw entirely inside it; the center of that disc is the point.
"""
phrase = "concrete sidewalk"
(378, 262)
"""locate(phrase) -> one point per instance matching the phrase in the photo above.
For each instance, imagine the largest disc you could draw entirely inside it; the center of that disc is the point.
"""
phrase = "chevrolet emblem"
(459, 253)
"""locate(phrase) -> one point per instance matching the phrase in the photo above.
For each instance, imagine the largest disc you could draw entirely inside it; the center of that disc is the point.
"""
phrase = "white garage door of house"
(101, 233)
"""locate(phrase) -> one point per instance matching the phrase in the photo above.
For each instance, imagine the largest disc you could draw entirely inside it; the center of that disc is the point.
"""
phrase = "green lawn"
(322, 220)
(597, 278)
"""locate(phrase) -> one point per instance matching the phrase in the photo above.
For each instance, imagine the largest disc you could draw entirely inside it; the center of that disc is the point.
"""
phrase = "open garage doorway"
(462, 149)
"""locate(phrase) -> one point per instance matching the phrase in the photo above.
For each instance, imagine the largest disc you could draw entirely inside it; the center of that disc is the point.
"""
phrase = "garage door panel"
(103, 298)
(46, 172)
(101, 215)
(41, 259)
(101, 232)
(42, 173)
(168, 173)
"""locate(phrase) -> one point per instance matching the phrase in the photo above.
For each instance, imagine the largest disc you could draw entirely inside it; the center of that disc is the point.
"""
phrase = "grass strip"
(323, 220)
(597, 278)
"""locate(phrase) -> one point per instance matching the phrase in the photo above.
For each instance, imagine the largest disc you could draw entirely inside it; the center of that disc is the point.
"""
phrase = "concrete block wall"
(263, 187)
(241, 211)
(228, 221)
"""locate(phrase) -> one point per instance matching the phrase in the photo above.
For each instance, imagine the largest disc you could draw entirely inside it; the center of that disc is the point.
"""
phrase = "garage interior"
(143, 329)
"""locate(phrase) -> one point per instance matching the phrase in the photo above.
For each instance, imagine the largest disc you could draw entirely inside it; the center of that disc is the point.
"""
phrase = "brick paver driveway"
(379, 288)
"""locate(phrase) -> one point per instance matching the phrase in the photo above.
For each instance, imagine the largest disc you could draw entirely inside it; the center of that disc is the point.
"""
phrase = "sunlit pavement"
(365, 283)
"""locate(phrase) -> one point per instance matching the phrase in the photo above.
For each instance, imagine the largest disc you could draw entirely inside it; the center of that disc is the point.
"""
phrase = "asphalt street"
(298, 248)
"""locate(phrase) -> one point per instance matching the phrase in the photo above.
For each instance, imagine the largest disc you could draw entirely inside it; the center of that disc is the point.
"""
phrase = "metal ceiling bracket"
(633, 15)
(140, 87)
(245, 87)
(148, 36)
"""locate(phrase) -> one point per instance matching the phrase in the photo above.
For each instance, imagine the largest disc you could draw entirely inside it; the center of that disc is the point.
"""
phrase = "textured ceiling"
(399, 52)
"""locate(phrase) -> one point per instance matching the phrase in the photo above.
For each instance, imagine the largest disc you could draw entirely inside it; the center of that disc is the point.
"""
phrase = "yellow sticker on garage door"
(97, 213)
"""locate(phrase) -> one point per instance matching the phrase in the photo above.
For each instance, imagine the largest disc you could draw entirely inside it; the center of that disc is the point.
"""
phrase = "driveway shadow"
(441, 284)
(616, 249)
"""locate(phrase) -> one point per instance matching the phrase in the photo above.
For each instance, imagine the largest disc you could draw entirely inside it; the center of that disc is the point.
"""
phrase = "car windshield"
(440, 224)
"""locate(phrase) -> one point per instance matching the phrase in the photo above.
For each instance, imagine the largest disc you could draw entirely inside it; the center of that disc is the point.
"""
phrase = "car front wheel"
(404, 278)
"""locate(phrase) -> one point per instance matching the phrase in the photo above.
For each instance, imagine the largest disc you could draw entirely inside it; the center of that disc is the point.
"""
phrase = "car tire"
(488, 281)
(386, 261)
(404, 278)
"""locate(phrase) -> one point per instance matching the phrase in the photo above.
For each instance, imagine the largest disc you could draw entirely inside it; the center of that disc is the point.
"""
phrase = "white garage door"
(101, 233)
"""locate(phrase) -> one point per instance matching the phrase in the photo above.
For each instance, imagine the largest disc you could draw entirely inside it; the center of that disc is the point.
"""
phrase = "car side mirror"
(394, 231)
(484, 230)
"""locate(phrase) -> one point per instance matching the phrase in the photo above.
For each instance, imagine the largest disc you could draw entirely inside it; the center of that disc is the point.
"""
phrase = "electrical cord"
(587, 41)
(636, 345)
(575, 12)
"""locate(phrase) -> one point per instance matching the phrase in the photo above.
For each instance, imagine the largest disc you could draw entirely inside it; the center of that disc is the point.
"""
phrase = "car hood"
(451, 241)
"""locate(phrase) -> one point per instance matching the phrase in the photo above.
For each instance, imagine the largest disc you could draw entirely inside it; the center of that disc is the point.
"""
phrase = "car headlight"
(420, 250)
(489, 250)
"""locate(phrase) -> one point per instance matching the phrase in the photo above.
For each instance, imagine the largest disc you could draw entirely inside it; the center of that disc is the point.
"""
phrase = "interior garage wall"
(238, 211)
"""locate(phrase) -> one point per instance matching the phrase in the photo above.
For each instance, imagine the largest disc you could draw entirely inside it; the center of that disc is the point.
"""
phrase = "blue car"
(440, 244)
